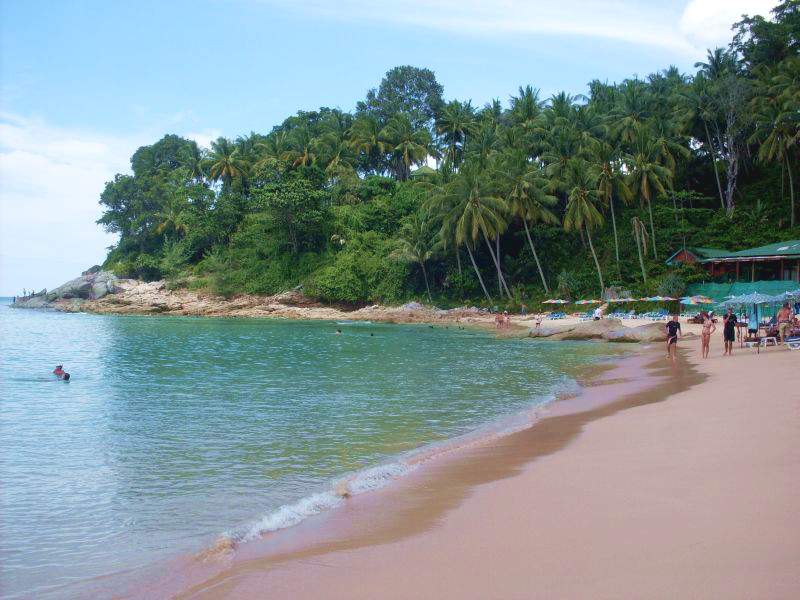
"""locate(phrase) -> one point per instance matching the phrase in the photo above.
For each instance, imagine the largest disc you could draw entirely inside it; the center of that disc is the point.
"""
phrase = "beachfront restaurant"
(778, 262)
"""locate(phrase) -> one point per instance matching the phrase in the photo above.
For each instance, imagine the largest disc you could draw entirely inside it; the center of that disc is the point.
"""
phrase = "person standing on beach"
(673, 331)
(784, 319)
(729, 331)
(705, 338)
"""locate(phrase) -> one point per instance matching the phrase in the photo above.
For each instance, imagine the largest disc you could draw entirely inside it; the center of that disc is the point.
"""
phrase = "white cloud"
(684, 29)
(707, 23)
(50, 182)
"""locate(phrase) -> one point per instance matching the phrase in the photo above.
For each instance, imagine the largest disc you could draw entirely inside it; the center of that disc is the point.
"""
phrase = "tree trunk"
(714, 164)
(596, 262)
(425, 276)
(639, 245)
(496, 264)
(458, 260)
(535, 256)
(478, 273)
(614, 225)
(652, 228)
(497, 254)
(791, 186)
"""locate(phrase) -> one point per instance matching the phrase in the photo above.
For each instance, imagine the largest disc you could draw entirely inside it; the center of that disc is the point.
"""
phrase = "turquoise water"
(174, 431)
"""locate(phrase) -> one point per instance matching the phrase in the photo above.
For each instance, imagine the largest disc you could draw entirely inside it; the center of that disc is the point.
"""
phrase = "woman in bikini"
(705, 338)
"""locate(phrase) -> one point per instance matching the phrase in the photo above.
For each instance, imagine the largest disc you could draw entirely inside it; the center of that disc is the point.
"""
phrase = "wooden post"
(752, 271)
(781, 275)
(737, 270)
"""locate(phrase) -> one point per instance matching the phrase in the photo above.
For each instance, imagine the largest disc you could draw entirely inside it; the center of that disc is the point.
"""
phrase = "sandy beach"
(687, 489)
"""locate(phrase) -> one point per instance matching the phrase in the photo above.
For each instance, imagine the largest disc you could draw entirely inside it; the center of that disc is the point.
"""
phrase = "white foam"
(292, 514)
(374, 478)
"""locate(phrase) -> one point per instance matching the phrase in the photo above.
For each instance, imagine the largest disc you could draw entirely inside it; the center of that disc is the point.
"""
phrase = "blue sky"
(83, 84)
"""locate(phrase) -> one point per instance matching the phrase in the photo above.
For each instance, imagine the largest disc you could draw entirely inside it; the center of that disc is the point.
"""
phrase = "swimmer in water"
(59, 371)
(338, 332)
(65, 378)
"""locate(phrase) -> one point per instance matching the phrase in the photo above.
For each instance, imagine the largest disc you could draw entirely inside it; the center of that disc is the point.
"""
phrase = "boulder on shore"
(611, 330)
(93, 285)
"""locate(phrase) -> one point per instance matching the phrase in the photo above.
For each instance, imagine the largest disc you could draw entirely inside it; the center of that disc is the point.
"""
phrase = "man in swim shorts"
(729, 331)
(673, 331)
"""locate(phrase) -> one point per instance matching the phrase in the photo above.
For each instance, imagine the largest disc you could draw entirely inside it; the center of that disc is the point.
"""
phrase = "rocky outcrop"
(92, 285)
(612, 330)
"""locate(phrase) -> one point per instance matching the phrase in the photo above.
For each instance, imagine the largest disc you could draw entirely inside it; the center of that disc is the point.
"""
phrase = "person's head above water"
(66, 376)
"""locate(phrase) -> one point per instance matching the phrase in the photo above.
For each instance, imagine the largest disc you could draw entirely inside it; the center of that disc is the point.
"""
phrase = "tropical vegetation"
(412, 195)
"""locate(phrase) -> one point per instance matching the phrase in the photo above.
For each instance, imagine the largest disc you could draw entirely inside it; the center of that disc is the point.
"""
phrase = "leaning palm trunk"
(652, 228)
(614, 225)
(478, 273)
(596, 262)
(536, 256)
(500, 277)
(458, 260)
(425, 276)
(639, 235)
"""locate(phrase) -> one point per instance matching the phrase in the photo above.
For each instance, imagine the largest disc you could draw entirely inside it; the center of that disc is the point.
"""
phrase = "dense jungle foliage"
(567, 195)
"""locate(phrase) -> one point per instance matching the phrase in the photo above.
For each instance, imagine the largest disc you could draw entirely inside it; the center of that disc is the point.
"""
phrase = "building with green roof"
(774, 262)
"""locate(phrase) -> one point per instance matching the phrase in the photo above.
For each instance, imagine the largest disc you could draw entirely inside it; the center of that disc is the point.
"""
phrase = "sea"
(175, 431)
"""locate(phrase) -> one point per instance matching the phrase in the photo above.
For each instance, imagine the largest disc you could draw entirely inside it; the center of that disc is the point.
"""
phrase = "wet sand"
(691, 489)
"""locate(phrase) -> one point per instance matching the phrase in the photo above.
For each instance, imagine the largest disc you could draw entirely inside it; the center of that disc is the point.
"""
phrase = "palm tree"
(632, 110)
(527, 198)
(417, 243)
(455, 123)
(406, 145)
(697, 104)
(606, 165)
(581, 212)
(477, 212)
(225, 162)
(640, 237)
(777, 132)
(302, 150)
(526, 108)
(648, 177)
(193, 160)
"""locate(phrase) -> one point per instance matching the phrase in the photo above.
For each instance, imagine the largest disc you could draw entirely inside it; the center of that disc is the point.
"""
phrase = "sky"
(84, 83)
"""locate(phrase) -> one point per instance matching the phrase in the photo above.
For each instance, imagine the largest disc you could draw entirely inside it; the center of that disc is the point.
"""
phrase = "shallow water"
(174, 431)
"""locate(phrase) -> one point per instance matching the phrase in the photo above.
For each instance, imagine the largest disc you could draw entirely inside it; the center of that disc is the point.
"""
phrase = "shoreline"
(683, 490)
(131, 297)
(404, 508)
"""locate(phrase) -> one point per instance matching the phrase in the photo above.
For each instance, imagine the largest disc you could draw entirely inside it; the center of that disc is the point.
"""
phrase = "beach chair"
(793, 343)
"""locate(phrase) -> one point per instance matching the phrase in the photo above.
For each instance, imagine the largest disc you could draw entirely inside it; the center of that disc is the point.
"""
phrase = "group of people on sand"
(785, 319)
(502, 320)
(61, 373)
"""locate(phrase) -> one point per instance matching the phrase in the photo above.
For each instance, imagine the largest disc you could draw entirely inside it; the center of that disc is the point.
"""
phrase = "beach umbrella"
(556, 301)
(589, 302)
(697, 300)
(747, 299)
(619, 300)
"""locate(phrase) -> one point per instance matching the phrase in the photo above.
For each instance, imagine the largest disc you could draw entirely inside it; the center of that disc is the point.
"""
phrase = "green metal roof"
(708, 252)
(700, 253)
(787, 248)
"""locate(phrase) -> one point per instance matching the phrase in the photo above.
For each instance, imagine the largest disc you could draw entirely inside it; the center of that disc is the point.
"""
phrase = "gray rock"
(91, 286)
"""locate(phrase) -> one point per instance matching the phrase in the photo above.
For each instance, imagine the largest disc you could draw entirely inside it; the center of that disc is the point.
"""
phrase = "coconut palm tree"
(526, 196)
(581, 212)
(477, 212)
(454, 124)
(776, 132)
(648, 178)
(225, 162)
(366, 141)
(193, 160)
(303, 146)
(607, 167)
(406, 145)
(417, 243)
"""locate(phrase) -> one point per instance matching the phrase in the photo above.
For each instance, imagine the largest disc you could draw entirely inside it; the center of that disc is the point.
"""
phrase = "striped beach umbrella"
(556, 301)
(589, 302)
